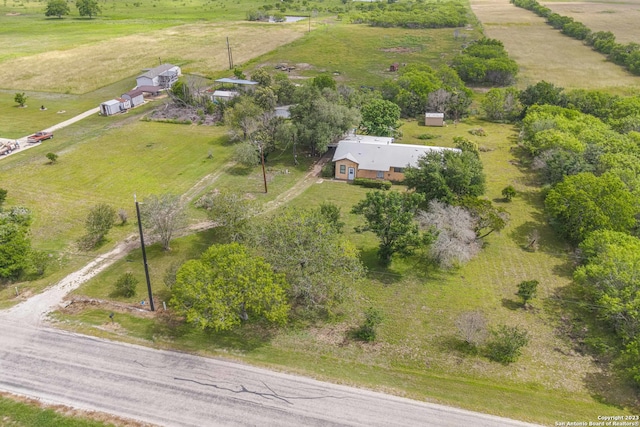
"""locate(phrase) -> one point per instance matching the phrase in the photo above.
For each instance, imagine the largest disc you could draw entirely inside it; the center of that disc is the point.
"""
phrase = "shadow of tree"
(456, 345)
(511, 304)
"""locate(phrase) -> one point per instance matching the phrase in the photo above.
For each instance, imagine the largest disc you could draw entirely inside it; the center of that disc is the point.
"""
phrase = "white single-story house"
(377, 157)
(135, 97)
(164, 76)
(434, 119)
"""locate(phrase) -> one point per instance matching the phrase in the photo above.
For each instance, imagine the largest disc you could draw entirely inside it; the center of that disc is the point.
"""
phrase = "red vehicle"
(39, 137)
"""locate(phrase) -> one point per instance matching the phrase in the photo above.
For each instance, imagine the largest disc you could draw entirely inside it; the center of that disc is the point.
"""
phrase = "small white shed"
(109, 108)
(434, 119)
(223, 95)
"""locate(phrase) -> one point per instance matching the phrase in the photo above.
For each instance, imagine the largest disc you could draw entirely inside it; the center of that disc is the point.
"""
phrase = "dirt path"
(300, 186)
(35, 310)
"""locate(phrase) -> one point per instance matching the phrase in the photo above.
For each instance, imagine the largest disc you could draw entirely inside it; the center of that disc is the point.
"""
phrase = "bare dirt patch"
(183, 114)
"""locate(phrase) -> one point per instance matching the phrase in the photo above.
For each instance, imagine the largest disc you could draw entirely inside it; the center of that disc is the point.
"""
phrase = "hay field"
(621, 18)
(545, 54)
(200, 48)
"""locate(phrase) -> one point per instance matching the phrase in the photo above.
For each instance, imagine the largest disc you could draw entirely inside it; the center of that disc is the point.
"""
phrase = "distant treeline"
(411, 15)
(626, 55)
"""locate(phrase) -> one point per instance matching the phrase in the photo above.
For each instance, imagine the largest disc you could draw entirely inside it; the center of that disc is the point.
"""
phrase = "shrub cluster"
(486, 62)
(373, 183)
(411, 15)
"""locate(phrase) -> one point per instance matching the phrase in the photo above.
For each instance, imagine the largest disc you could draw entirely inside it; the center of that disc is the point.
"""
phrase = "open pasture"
(621, 18)
(545, 54)
(199, 48)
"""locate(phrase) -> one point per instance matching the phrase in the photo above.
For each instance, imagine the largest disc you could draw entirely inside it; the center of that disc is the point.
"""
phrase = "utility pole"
(144, 255)
(264, 175)
(230, 57)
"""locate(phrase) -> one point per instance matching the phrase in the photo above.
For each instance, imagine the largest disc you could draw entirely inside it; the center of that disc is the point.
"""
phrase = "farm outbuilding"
(135, 97)
(434, 119)
(164, 76)
(109, 108)
(223, 95)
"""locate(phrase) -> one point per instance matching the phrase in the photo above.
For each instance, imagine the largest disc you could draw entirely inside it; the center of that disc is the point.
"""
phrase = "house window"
(398, 170)
(380, 174)
(343, 169)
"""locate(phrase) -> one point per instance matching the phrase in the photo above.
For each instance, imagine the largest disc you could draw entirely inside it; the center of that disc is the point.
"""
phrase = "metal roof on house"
(155, 72)
(149, 89)
(111, 102)
(435, 115)
(382, 155)
(283, 111)
(237, 81)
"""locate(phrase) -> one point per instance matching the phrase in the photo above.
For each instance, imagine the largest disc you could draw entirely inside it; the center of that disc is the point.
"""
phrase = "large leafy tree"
(584, 203)
(227, 286)
(447, 175)
(88, 8)
(162, 215)
(15, 245)
(380, 117)
(57, 8)
(320, 265)
(609, 279)
(320, 118)
(391, 216)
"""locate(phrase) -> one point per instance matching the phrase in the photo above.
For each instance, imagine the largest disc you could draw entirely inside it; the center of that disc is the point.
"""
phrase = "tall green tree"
(15, 245)
(88, 8)
(584, 203)
(392, 217)
(320, 118)
(320, 265)
(57, 8)
(227, 286)
(609, 278)
(380, 117)
(447, 175)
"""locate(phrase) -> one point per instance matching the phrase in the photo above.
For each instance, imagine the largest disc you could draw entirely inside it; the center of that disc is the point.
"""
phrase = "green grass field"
(418, 353)
(26, 413)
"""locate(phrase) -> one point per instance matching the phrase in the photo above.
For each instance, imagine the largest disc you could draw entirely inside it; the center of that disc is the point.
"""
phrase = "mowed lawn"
(543, 53)
(417, 353)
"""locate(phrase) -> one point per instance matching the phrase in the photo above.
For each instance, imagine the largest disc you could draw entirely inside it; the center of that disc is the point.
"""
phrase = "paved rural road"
(176, 389)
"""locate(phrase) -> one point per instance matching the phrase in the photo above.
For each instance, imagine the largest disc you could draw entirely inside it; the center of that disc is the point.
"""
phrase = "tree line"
(626, 55)
(588, 160)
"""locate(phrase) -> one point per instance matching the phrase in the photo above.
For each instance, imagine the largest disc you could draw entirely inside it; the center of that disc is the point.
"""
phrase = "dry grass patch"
(619, 18)
(545, 54)
(200, 47)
